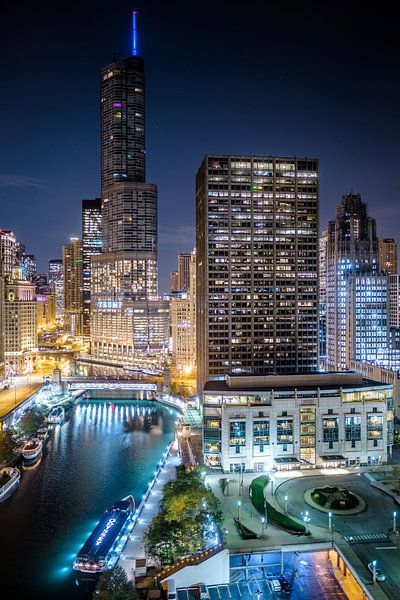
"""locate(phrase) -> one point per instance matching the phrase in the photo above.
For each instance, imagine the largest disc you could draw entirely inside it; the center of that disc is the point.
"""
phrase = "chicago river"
(102, 452)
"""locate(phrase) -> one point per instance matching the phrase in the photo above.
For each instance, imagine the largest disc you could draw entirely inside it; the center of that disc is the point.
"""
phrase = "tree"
(33, 420)
(8, 444)
(114, 585)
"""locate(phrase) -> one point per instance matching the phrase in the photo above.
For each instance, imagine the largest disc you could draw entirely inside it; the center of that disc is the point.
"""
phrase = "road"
(377, 518)
(21, 391)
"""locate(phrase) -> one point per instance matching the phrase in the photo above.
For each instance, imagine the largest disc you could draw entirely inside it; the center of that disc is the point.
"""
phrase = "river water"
(102, 452)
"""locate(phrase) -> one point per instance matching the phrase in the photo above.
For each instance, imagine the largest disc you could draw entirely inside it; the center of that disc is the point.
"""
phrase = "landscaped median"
(274, 516)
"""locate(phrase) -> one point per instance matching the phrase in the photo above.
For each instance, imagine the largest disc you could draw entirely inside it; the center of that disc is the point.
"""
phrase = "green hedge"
(274, 516)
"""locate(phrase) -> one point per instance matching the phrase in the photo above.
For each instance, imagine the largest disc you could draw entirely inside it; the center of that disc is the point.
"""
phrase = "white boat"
(56, 415)
(9, 480)
(32, 449)
(42, 433)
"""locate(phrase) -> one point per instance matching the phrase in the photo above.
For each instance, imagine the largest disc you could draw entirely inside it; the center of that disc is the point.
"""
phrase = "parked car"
(285, 585)
(274, 585)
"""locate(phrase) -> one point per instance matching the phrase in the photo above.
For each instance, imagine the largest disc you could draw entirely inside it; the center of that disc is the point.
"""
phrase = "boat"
(9, 480)
(42, 433)
(101, 550)
(56, 415)
(32, 449)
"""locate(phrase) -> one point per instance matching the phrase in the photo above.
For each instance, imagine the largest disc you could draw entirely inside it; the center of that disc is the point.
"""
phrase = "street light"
(239, 504)
(262, 526)
(227, 487)
(394, 522)
(374, 571)
(286, 501)
(330, 520)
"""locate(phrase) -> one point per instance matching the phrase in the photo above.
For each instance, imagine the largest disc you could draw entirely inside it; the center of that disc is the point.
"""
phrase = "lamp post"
(394, 522)
(286, 501)
(239, 504)
(227, 487)
(374, 571)
(262, 526)
(330, 520)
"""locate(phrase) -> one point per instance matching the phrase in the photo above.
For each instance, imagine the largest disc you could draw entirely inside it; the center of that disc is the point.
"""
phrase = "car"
(378, 573)
(274, 585)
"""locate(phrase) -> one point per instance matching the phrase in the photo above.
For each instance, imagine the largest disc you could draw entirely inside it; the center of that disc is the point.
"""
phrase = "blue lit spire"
(134, 34)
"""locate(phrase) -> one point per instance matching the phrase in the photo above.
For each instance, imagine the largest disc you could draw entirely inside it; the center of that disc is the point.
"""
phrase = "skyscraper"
(73, 293)
(323, 242)
(387, 256)
(57, 285)
(352, 249)
(8, 252)
(91, 245)
(183, 271)
(126, 315)
(257, 265)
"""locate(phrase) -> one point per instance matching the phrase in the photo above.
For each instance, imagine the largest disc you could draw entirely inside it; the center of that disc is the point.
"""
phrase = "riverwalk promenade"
(133, 558)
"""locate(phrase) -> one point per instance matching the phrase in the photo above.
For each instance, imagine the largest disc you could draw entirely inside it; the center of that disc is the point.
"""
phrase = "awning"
(285, 460)
(331, 457)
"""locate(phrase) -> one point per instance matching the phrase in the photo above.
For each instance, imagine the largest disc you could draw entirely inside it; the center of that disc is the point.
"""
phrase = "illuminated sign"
(106, 529)
(109, 304)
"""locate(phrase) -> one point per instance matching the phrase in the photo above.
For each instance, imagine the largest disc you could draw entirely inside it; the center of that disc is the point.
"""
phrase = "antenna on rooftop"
(134, 34)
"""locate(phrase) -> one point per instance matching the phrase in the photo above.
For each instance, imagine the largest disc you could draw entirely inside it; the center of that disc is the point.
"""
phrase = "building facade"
(73, 287)
(323, 243)
(184, 271)
(19, 325)
(8, 252)
(394, 301)
(91, 245)
(352, 248)
(183, 325)
(387, 256)
(257, 265)
(296, 421)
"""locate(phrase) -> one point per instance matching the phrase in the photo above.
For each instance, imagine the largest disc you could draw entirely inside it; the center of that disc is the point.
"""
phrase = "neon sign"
(106, 529)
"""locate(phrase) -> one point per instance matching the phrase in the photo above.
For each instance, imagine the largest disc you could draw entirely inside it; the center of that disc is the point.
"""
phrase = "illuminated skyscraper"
(257, 265)
(126, 314)
(73, 293)
(8, 252)
(57, 285)
(323, 242)
(183, 271)
(91, 245)
(352, 249)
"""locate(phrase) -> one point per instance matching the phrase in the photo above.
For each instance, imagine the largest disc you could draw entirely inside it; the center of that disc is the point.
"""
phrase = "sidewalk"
(134, 550)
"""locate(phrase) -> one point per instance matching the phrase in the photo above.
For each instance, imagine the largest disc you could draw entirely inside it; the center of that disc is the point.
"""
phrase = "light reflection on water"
(102, 452)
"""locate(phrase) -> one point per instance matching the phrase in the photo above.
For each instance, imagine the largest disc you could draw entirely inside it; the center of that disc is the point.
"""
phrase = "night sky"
(257, 77)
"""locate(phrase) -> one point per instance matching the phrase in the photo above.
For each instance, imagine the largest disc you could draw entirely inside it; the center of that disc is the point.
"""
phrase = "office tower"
(173, 281)
(183, 325)
(28, 265)
(387, 256)
(57, 285)
(20, 324)
(8, 252)
(323, 242)
(183, 271)
(46, 309)
(367, 317)
(2, 363)
(352, 248)
(126, 314)
(257, 265)
(394, 300)
(73, 293)
(91, 245)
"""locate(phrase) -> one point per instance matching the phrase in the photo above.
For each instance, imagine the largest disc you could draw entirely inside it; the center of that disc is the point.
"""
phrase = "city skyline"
(310, 85)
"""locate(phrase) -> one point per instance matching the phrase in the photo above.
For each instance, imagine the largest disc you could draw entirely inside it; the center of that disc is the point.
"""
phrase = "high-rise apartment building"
(56, 283)
(183, 325)
(173, 281)
(73, 292)
(352, 249)
(91, 245)
(126, 313)
(387, 256)
(257, 265)
(394, 300)
(8, 252)
(28, 265)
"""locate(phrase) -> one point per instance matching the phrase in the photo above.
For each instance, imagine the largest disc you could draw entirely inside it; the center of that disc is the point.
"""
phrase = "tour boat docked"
(9, 480)
(101, 550)
(56, 415)
(32, 449)
(42, 433)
